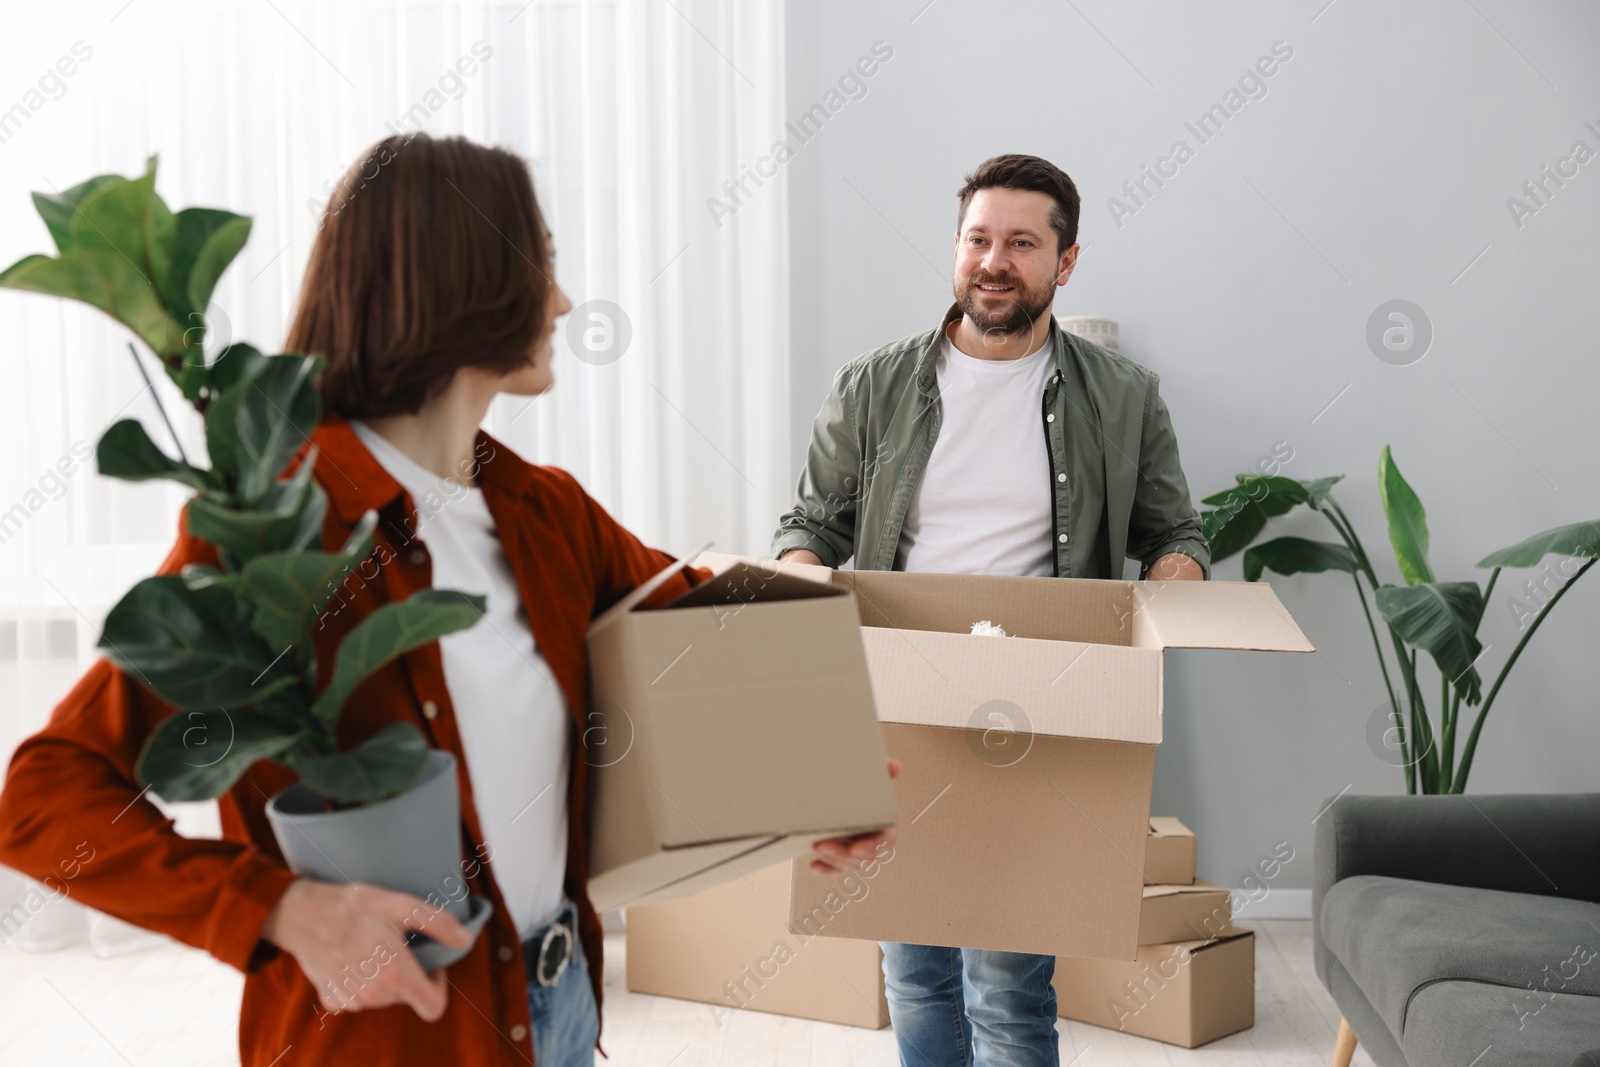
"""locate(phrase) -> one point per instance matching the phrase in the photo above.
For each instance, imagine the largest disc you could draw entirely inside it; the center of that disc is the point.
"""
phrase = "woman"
(429, 292)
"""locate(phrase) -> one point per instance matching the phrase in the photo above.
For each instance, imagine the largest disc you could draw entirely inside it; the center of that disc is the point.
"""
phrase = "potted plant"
(231, 646)
(1438, 618)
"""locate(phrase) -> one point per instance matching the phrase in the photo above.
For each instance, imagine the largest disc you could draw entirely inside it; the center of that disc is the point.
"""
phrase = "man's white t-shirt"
(511, 715)
(985, 504)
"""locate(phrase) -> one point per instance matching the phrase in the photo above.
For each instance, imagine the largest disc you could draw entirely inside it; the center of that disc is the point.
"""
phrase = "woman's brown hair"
(431, 256)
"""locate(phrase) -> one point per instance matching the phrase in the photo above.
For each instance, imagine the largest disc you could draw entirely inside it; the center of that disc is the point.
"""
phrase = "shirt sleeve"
(823, 519)
(1164, 518)
(73, 817)
(624, 562)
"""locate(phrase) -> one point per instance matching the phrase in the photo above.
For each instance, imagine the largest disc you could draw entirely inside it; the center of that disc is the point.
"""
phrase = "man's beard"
(1025, 306)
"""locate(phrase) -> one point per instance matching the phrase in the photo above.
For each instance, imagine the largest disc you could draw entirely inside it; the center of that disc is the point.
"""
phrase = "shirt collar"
(356, 482)
(927, 362)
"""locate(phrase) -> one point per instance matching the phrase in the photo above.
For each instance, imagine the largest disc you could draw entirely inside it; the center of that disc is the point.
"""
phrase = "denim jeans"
(964, 1007)
(565, 1022)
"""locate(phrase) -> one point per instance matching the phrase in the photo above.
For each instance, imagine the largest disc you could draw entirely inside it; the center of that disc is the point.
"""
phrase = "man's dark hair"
(1016, 171)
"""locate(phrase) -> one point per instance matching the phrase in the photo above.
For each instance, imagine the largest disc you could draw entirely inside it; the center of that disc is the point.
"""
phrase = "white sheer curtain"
(633, 113)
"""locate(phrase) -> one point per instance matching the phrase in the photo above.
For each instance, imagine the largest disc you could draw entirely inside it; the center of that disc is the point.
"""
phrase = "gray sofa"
(1462, 931)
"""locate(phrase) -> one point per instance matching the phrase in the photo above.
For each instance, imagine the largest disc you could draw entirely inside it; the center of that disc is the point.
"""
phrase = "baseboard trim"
(1277, 904)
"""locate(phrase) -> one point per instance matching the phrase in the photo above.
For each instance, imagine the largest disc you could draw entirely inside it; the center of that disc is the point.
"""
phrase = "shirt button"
(430, 709)
(1062, 539)
(518, 1032)
(1050, 417)
(1061, 477)
(418, 556)
(505, 953)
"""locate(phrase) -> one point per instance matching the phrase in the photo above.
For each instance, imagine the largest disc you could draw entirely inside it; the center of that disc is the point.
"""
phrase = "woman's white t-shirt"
(510, 713)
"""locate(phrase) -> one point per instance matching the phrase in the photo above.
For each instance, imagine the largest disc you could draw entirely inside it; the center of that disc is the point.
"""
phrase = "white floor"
(173, 1007)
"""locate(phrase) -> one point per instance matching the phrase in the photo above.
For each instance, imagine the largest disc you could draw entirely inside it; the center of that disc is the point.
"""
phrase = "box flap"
(717, 562)
(1200, 885)
(1017, 685)
(749, 582)
(1236, 615)
(1167, 826)
(656, 581)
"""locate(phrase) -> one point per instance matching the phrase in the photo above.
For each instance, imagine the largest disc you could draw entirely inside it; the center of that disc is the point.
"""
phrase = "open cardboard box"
(731, 729)
(1024, 798)
(730, 947)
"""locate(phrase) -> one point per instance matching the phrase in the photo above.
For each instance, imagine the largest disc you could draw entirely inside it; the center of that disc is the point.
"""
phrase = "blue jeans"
(966, 1007)
(565, 1022)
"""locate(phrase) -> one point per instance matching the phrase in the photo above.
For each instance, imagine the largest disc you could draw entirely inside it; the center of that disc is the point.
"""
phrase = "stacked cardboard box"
(730, 947)
(1193, 979)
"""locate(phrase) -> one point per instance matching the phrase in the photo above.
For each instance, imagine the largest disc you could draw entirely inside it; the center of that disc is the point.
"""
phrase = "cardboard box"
(730, 947)
(1169, 854)
(1184, 912)
(730, 730)
(1185, 994)
(1025, 795)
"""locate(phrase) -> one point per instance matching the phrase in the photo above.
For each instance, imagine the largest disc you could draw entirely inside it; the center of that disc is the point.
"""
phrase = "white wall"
(1377, 166)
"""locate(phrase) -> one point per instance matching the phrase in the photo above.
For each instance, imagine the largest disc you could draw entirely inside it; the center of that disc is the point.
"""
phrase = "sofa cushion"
(1452, 1024)
(1396, 935)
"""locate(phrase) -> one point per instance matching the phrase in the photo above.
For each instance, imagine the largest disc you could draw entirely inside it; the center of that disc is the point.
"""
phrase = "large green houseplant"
(231, 647)
(1438, 618)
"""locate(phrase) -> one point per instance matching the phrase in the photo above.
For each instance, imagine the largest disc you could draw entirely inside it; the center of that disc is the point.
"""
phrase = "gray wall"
(1377, 166)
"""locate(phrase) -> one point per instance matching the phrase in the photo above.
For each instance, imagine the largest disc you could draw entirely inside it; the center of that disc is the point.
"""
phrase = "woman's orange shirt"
(70, 791)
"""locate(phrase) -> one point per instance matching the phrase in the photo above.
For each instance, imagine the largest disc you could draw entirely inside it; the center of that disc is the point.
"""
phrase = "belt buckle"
(560, 929)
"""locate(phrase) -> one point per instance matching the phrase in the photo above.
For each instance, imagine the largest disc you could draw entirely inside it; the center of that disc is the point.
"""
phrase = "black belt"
(547, 952)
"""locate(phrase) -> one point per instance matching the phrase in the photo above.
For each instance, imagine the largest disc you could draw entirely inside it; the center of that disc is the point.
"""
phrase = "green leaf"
(1243, 511)
(105, 280)
(200, 754)
(291, 521)
(207, 241)
(1317, 489)
(1408, 524)
(291, 589)
(202, 576)
(393, 630)
(1259, 488)
(193, 647)
(387, 762)
(127, 452)
(1228, 531)
(113, 216)
(258, 424)
(1441, 618)
(1580, 540)
(1296, 555)
(57, 209)
(236, 363)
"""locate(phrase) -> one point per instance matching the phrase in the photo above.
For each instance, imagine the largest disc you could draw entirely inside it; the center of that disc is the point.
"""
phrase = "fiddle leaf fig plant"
(1438, 619)
(231, 646)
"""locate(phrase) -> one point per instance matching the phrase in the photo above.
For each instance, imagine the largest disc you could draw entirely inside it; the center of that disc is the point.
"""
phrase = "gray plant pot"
(410, 842)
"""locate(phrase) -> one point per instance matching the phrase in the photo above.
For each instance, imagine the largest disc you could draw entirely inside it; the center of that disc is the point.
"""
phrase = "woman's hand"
(350, 942)
(845, 855)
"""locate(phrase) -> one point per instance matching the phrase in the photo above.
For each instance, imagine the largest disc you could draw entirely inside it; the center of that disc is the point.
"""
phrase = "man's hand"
(845, 855)
(801, 555)
(350, 942)
(1176, 565)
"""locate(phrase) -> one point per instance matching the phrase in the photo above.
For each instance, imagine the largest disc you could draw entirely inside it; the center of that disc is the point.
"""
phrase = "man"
(995, 444)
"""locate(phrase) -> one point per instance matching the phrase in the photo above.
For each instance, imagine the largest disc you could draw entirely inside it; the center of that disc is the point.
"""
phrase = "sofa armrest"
(1545, 843)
